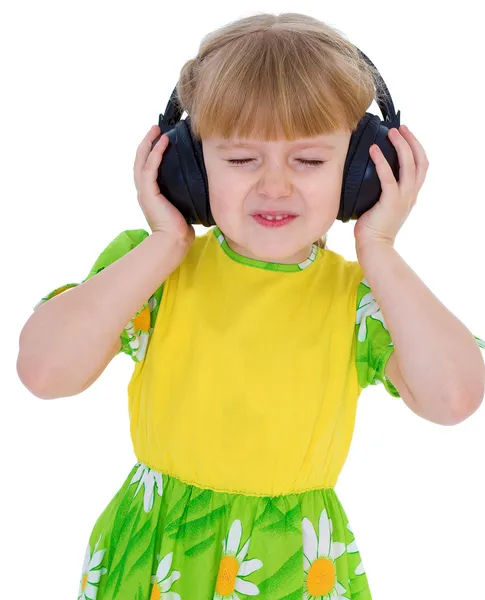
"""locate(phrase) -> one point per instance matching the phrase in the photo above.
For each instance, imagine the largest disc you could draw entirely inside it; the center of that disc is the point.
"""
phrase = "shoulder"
(349, 270)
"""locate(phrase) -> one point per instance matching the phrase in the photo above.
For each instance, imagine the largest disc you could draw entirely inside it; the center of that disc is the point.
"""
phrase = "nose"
(275, 182)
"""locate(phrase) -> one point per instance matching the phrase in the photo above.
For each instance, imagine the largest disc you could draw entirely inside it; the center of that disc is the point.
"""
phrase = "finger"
(148, 186)
(407, 166)
(384, 171)
(420, 158)
(141, 154)
(143, 151)
(156, 153)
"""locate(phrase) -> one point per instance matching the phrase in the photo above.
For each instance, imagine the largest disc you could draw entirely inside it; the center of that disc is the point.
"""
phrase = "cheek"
(326, 187)
(221, 204)
(325, 198)
(225, 194)
(333, 184)
(218, 182)
(215, 188)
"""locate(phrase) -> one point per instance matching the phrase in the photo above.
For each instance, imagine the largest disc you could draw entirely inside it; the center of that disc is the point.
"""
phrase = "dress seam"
(234, 492)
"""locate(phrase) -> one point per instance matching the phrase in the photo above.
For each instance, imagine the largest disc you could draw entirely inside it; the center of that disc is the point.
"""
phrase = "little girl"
(251, 342)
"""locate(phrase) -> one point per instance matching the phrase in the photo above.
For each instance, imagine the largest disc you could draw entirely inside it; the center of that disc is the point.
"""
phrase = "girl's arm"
(437, 365)
(68, 341)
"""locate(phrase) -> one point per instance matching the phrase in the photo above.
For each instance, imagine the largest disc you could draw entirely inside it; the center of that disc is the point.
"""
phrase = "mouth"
(278, 220)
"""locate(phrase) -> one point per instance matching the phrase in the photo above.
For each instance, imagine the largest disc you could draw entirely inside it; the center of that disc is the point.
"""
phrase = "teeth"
(277, 218)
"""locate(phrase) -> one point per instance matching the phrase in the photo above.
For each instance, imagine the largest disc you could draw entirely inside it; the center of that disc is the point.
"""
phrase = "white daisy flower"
(319, 554)
(88, 588)
(352, 548)
(149, 478)
(233, 567)
(162, 581)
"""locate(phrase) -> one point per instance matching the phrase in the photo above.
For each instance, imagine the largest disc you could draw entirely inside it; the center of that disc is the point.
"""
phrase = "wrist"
(177, 244)
(373, 239)
(369, 246)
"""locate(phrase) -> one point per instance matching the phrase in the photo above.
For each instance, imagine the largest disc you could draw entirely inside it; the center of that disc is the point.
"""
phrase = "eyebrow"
(300, 145)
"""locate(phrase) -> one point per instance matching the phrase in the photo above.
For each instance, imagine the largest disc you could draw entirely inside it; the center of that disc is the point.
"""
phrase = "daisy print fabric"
(91, 572)
(233, 567)
(161, 538)
(163, 579)
(320, 553)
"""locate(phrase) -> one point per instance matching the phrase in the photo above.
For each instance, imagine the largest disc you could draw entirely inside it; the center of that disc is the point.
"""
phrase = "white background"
(82, 84)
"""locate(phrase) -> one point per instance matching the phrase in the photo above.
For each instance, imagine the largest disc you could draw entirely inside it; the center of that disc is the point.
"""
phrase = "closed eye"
(312, 163)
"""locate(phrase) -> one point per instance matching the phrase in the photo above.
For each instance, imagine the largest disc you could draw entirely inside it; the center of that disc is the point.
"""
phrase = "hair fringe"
(247, 73)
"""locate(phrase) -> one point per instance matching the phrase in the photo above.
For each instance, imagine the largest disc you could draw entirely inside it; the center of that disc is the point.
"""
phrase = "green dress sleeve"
(135, 336)
(373, 341)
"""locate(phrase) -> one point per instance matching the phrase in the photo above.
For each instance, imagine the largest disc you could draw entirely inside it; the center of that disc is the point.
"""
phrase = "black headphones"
(182, 177)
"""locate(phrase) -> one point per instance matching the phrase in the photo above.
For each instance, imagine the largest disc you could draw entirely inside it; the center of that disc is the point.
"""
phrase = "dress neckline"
(261, 264)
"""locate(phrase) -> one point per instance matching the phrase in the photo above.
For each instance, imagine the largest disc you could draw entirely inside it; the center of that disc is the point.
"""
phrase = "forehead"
(326, 142)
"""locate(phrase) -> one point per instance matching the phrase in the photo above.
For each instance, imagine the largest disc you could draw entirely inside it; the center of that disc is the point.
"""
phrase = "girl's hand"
(161, 215)
(383, 221)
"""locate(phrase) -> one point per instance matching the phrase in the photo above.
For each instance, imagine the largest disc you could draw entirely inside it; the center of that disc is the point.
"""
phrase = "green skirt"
(160, 538)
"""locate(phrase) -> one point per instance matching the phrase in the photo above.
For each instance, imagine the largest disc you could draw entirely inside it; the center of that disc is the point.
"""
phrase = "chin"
(276, 252)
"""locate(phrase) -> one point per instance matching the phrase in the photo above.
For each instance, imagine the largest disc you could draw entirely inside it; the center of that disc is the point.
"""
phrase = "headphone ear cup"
(180, 178)
(361, 186)
(199, 187)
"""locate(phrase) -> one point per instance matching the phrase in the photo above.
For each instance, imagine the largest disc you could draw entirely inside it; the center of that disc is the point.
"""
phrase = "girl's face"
(274, 177)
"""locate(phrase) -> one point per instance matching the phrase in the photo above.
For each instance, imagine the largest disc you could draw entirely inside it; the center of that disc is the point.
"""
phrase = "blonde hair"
(269, 76)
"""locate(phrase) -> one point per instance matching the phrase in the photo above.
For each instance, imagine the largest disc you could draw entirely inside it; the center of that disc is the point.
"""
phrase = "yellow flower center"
(84, 581)
(142, 321)
(155, 592)
(226, 578)
(321, 577)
